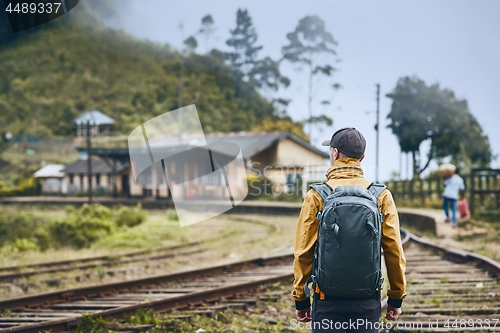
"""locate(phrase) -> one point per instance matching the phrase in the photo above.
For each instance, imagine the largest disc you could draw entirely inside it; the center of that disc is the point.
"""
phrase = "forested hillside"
(49, 77)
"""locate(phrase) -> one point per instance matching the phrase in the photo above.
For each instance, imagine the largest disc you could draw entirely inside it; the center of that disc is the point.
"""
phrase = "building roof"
(253, 143)
(250, 143)
(98, 166)
(50, 171)
(97, 117)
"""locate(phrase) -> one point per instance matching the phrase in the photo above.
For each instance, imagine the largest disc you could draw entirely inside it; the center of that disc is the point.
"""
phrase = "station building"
(280, 157)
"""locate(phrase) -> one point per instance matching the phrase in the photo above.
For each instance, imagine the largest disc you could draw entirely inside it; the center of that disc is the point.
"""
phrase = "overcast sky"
(453, 42)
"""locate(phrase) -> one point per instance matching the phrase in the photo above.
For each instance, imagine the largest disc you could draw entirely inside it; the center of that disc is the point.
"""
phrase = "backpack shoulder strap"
(323, 189)
(375, 189)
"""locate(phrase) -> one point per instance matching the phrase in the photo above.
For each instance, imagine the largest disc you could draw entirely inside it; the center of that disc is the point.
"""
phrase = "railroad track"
(449, 290)
(60, 311)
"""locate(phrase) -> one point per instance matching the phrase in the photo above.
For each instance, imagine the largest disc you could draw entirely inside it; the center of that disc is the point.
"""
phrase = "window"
(98, 179)
(71, 179)
(293, 181)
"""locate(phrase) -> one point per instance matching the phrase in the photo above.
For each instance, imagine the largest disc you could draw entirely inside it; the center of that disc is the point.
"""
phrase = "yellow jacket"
(348, 172)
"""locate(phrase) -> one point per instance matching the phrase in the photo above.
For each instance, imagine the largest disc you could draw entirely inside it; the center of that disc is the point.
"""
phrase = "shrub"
(18, 246)
(80, 231)
(81, 228)
(24, 245)
(14, 225)
(94, 211)
(129, 216)
(69, 209)
(42, 239)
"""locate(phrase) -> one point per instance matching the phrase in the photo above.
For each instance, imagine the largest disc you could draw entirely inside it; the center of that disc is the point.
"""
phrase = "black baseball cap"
(349, 141)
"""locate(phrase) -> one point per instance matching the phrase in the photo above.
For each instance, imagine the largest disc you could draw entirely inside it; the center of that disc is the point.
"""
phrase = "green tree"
(247, 67)
(207, 29)
(420, 113)
(191, 44)
(308, 45)
(266, 74)
(243, 56)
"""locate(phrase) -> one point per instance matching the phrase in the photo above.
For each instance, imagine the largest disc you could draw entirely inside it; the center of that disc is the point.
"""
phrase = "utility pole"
(378, 130)
(89, 161)
(180, 99)
(400, 176)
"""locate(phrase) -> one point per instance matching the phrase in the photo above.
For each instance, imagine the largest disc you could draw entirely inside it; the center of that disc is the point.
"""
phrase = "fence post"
(495, 186)
(411, 188)
(421, 187)
(471, 181)
(480, 187)
(439, 190)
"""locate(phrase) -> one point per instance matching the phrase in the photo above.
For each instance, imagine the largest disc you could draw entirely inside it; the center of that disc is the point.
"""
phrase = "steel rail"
(449, 290)
(60, 297)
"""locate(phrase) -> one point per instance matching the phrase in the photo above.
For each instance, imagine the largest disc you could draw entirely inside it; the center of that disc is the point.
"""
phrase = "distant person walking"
(452, 187)
(342, 225)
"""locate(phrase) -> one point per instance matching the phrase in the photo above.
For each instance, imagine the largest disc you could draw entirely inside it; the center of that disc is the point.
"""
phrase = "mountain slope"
(49, 77)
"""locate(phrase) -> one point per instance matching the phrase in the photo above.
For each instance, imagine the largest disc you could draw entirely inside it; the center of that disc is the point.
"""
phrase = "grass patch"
(419, 232)
(89, 324)
(485, 240)
(154, 232)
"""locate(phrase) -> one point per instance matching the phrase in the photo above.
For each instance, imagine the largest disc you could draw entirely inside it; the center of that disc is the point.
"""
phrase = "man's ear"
(361, 158)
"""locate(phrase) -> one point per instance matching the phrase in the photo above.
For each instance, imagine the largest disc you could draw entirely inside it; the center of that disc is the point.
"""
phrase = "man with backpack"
(342, 225)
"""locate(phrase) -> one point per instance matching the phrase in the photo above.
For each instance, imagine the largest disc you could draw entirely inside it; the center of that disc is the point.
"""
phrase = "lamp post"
(89, 161)
(376, 127)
